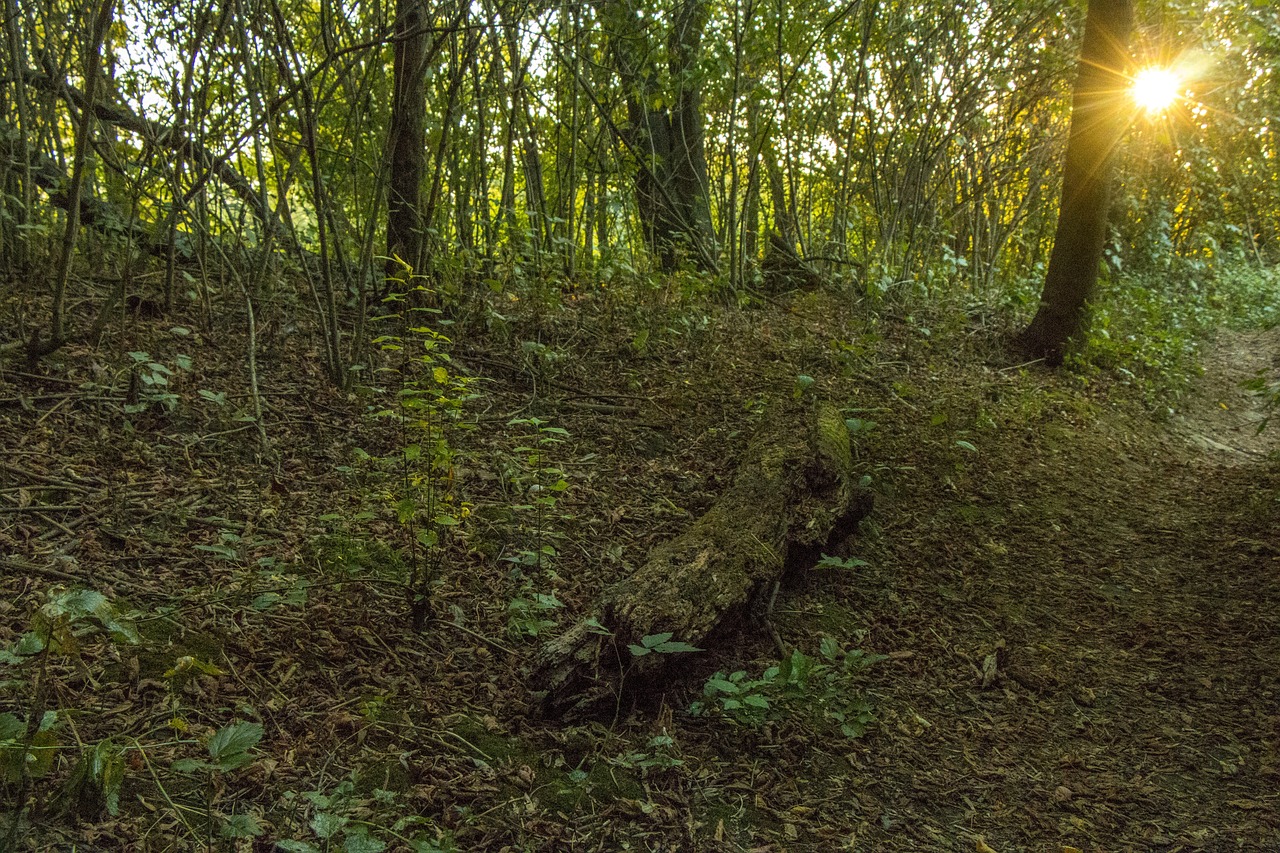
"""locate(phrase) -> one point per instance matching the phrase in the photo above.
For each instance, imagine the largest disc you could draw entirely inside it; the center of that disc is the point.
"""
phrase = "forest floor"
(1069, 609)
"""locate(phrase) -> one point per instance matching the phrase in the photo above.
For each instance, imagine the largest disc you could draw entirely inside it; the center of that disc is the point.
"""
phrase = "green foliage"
(154, 387)
(1147, 329)
(529, 612)
(229, 749)
(660, 753)
(98, 776)
(661, 644)
(60, 628)
(430, 400)
(848, 564)
(538, 484)
(341, 819)
(27, 753)
(820, 689)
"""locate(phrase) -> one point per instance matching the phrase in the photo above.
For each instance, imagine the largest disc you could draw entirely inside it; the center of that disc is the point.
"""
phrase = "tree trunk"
(1099, 116)
(792, 497)
(37, 348)
(672, 187)
(405, 233)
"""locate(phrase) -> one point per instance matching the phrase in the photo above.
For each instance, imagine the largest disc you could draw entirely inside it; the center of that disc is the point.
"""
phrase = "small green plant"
(539, 483)
(803, 385)
(342, 820)
(822, 688)
(152, 382)
(528, 614)
(661, 644)
(659, 754)
(59, 629)
(858, 425)
(744, 700)
(847, 564)
(429, 410)
(229, 748)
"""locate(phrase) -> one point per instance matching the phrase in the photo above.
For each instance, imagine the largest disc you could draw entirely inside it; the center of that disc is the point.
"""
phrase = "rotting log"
(793, 495)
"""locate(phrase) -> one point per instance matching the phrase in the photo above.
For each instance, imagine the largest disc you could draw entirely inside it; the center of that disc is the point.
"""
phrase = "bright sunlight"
(1155, 89)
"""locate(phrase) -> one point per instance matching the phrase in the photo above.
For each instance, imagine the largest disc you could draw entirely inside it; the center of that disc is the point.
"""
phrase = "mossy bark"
(793, 493)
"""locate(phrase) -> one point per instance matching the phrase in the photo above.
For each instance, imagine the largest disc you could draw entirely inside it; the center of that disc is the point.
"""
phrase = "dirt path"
(1221, 419)
(1119, 587)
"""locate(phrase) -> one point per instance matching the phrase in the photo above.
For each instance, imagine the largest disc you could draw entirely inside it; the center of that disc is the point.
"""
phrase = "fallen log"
(792, 496)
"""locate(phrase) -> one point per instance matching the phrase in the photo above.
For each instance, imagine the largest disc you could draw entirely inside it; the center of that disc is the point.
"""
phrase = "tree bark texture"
(1100, 114)
(793, 495)
(405, 227)
(669, 142)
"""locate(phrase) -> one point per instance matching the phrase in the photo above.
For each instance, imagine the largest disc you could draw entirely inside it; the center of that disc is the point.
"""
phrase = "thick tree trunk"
(405, 228)
(1099, 116)
(793, 496)
(669, 144)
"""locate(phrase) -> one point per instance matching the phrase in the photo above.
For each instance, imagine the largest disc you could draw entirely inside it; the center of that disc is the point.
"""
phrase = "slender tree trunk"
(1099, 117)
(15, 238)
(84, 130)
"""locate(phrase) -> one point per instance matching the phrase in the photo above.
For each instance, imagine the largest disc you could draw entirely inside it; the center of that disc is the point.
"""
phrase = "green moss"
(338, 553)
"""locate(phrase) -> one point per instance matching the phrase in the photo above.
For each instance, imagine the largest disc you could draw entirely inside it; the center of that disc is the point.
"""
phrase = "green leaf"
(107, 766)
(27, 645)
(266, 601)
(828, 562)
(966, 445)
(75, 604)
(360, 841)
(653, 640)
(290, 846)
(230, 745)
(11, 728)
(241, 826)
(405, 509)
(675, 647)
(327, 825)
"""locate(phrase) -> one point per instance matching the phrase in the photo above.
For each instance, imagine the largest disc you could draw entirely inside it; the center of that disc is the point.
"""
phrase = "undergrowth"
(1147, 329)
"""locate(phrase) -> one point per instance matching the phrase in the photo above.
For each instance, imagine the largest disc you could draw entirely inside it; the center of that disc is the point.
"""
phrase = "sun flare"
(1155, 89)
